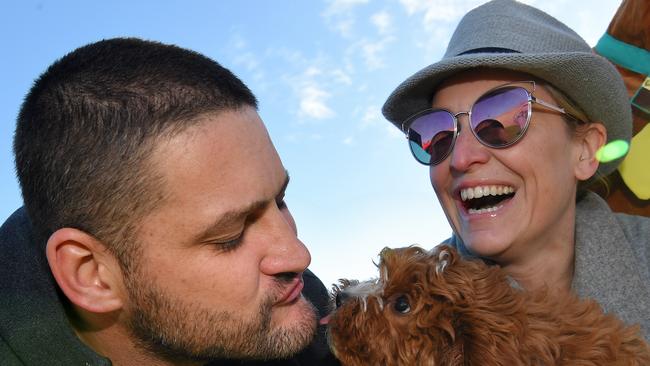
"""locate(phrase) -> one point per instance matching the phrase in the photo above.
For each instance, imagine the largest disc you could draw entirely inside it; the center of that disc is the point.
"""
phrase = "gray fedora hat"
(510, 35)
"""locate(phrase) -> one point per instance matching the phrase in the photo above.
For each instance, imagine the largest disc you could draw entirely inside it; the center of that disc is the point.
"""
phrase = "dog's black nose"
(341, 296)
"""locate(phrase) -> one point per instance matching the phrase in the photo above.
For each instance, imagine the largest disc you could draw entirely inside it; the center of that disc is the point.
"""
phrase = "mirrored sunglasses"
(498, 119)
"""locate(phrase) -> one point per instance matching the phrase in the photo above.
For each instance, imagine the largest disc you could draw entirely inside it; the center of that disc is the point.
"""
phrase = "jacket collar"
(606, 267)
(32, 318)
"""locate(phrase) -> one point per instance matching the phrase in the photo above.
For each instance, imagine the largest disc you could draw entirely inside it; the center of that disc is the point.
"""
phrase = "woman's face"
(534, 180)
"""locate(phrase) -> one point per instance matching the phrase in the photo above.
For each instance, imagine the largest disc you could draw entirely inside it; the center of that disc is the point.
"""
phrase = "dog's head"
(414, 313)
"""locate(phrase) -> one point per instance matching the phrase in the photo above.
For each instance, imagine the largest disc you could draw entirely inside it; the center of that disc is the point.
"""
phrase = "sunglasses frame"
(531, 99)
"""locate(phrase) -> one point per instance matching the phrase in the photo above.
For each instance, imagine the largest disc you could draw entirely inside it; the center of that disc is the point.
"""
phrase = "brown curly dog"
(434, 308)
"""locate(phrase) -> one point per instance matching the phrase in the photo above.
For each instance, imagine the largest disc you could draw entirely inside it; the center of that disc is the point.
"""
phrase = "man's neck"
(114, 342)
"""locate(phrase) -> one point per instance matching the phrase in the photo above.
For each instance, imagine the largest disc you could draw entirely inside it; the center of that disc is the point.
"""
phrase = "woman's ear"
(87, 273)
(590, 138)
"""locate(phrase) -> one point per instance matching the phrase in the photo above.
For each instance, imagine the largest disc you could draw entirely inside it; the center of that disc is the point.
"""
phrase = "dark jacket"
(34, 329)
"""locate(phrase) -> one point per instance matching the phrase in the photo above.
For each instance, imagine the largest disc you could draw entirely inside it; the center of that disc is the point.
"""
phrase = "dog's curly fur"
(434, 308)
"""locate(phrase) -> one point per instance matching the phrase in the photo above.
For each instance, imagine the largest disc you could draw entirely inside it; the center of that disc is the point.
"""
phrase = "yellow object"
(635, 169)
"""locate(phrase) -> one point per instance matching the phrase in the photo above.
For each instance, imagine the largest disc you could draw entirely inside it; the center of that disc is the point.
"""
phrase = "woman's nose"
(467, 149)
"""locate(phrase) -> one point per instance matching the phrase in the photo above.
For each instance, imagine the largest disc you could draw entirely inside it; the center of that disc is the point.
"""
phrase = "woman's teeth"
(483, 210)
(481, 191)
(485, 199)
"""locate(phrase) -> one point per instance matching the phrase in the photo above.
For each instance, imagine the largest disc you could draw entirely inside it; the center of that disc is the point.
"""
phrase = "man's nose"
(285, 253)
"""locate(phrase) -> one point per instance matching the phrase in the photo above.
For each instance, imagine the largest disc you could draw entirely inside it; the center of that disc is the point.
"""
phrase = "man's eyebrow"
(239, 214)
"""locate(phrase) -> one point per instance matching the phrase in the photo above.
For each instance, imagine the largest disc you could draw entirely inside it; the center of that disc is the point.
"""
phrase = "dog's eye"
(402, 305)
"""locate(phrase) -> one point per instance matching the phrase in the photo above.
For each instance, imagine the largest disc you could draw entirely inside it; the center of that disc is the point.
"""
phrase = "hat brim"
(573, 73)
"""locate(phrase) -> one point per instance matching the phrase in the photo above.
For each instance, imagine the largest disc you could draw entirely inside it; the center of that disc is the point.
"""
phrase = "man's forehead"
(226, 163)
(228, 139)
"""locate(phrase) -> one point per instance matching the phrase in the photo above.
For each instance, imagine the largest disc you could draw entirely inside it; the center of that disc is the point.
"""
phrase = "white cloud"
(311, 86)
(312, 95)
(313, 102)
(411, 6)
(588, 27)
(302, 136)
(339, 15)
(341, 76)
(258, 76)
(344, 27)
(248, 60)
(348, 140)
(371, 115)
(437, 18)
(393, 131)
(590, 23)
(439, 10)
(241, 55)
(373, 51)
(237, 41)
(382, 21)
(342, 6)
(439, 15)
(248, 64)
(288, 55)
(313, 71)
(291, 137)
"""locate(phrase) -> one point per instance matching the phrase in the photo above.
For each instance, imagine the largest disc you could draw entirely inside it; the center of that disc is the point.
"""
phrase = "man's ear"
(590, 137)
(87, 273)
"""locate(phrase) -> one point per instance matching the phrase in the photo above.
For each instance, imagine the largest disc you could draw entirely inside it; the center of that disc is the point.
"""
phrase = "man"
(154, 229)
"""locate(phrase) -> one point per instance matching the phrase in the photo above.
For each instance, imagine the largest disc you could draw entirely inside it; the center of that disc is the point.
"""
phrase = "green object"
(623, 54)
(612, 151)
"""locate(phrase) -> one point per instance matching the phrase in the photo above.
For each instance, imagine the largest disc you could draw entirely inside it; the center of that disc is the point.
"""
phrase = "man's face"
(219, 273)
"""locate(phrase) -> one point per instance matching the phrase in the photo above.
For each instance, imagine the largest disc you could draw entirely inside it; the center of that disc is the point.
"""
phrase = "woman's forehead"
(485, 74)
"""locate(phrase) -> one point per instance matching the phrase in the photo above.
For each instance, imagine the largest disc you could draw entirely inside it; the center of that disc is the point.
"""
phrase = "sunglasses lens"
(499, 118)
(431, 136)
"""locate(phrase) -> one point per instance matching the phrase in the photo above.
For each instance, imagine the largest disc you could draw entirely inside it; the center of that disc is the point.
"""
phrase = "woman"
(511, 122)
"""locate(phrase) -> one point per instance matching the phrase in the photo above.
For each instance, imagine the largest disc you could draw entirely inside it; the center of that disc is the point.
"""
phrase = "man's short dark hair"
(89, 123)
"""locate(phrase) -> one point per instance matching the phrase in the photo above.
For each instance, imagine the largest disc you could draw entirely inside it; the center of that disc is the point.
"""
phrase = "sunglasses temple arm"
(549, 106)
(556, 108)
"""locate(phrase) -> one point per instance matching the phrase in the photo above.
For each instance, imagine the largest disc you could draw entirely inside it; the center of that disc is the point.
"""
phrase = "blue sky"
(321, 70)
